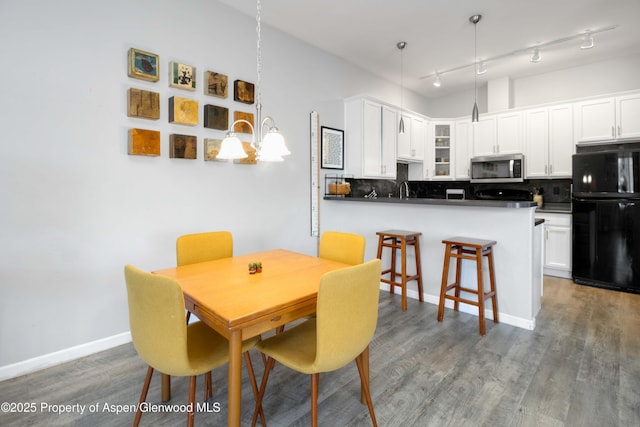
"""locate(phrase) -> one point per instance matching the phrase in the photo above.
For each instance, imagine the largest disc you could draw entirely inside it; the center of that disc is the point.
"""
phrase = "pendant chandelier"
(270, 147)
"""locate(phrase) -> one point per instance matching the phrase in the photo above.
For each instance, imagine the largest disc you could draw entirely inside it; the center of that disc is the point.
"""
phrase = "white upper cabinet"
(462, 144)
(607, 118)
(561, 142)
(411, 143)
(388, 143)
(595, 120)
(628, 116)
(484, 136)
(509, 133)
(370, 139)
(549, 142)
(498, 134)
(536, 158)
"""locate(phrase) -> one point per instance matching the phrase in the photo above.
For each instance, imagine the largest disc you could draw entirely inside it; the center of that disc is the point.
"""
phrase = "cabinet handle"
(413, 152)
(550, 169)
(545, 170)
(546, 233)
(613, 131)
(619, 130)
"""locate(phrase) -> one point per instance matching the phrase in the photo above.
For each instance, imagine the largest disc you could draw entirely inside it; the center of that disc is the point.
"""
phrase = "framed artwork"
(242, 127)
(183, 111)
(331, 148)
(144, 142)
(143, 65)
(143, 104)
(216, 117)
(183, 146)
(243, 91)
(182, 76)
(215, 84)
(251, 152)
(211, 148)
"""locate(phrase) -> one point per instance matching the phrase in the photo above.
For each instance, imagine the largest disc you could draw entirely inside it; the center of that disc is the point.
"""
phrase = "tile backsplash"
(553, 190)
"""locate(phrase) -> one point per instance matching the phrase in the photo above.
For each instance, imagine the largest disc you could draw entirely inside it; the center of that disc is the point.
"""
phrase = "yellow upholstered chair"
(342, 247)
(163, 339)
(201, 247)
(346, 318)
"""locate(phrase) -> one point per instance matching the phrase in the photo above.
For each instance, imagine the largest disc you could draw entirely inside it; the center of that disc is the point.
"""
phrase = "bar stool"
(473, 250)
(400, 239)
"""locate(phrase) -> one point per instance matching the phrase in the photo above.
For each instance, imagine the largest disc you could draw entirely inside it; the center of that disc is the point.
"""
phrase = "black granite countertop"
(555, 208)
(442, 202)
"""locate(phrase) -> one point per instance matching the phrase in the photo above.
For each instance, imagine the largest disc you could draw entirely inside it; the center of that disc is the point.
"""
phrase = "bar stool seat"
(471, 249)
(400, 240)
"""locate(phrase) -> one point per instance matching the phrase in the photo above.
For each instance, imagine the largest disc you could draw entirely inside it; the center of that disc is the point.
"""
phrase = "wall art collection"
(145, 104)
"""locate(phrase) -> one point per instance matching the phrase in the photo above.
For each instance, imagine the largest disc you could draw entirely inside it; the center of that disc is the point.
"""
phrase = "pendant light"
(474, 19)
(269, 147)
(401, 46)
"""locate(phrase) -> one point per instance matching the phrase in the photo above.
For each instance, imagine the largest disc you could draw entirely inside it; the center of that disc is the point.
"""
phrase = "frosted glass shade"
(231, 148)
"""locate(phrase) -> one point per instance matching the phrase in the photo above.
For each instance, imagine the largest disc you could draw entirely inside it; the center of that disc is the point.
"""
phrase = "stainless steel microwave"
(499, 168)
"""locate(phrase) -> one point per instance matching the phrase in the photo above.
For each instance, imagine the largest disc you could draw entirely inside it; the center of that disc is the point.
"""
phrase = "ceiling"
(440, 37)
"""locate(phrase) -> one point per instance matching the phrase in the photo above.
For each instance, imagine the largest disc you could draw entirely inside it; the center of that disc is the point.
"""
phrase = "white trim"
(47, 360)
(469, 309)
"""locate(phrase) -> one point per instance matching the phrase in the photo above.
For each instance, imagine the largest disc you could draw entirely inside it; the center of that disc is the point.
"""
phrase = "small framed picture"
(243, 91)
(216, 117)
(143, 65)
(331, 148)
(183, 146)
(242, 127)
(182, 76)
(215, 84)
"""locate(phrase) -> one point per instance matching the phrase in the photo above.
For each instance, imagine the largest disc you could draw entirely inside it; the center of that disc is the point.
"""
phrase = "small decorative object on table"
(255, 267)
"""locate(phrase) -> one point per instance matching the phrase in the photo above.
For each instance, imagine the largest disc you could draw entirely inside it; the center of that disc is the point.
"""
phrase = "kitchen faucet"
(404, 186)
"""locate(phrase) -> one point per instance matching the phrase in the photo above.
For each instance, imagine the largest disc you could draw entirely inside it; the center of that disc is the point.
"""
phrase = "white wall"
(75, 208)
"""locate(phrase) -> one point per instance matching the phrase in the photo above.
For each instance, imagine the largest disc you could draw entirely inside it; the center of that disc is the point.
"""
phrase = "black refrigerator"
(606, 219)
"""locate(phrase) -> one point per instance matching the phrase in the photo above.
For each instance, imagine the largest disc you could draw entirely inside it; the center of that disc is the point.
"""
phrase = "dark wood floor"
(580, 367)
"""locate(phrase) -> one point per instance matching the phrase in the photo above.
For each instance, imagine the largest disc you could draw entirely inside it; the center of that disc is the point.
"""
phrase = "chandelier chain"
(259, 55)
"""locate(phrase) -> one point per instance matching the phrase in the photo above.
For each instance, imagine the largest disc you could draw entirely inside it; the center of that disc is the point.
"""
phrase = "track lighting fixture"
(587, 41)
(533, 51)
(535, 56)
(437, 81)
(481, 68)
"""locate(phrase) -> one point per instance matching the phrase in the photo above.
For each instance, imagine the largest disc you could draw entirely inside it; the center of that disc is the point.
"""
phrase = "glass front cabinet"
(442, 151)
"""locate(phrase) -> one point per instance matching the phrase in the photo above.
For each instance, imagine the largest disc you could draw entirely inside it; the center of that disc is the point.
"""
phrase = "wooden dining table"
(240, 305)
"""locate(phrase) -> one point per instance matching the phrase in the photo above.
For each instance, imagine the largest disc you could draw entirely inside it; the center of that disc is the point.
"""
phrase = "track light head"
(587, 41)
(535, 56)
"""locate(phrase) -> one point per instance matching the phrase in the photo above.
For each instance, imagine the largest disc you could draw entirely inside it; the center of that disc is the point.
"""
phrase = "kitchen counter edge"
(440, 202)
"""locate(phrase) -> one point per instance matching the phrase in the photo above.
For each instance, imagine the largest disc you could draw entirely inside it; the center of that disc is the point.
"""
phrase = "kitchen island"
(517, 254)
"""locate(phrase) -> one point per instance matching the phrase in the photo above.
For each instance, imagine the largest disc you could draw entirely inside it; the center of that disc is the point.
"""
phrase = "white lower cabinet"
(557, 244)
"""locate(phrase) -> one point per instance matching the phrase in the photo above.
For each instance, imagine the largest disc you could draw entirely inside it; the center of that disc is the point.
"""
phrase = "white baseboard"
(62, 356)
(469, 309)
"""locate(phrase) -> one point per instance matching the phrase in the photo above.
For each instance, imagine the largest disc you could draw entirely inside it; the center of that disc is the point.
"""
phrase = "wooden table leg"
(166, 387)
(235, 378)
(365, 365)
